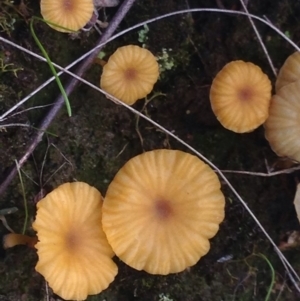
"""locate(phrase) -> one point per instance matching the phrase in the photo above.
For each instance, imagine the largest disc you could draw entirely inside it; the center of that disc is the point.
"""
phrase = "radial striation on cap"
(70, 14)
(289, 72)
(74, 255)
(130, 73)
(161, 209)
(282, 128)
(240, 96)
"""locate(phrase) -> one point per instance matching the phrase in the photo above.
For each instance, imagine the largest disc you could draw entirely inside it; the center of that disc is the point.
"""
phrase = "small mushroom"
(74, 255)
(161, 209)
(70, 14)
(130, 73)
(240, 96)
(282, 128)
(289, 72)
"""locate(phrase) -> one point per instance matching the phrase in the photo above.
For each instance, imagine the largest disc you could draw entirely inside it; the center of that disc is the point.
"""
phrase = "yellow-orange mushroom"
(70, 14)
(74, 255)
(130, 73)
(161, 209)
(240, 96)
(289, 72)
(282, 128)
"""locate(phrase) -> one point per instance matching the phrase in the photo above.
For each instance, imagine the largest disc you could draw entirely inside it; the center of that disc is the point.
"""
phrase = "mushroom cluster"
(282, 128)
(240, 96)
(159, 213)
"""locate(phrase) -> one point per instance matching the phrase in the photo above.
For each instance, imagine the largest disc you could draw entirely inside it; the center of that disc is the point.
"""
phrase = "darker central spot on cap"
(68, 4)
(163, 209)
(72, 240)
(130, 74)
(245, 94)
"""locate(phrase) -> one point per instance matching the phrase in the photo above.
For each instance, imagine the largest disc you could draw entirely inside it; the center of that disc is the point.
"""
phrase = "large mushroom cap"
(71, 14)
(160, 210)
(74, 255)
(240, 96)
(130, 73)
(289, 72)
(282, 128)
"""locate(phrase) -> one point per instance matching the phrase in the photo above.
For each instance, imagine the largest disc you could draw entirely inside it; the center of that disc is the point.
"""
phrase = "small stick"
(264, 48)
(263, 174)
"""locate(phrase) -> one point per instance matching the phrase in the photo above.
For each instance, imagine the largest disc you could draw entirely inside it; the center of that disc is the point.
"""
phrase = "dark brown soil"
(101, 136)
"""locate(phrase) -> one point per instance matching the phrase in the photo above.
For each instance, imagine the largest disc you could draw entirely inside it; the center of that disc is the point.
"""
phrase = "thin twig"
(31, 108)
(47, 291)
(24, 198)
(264, 48)
(263, 174)
(15, 125)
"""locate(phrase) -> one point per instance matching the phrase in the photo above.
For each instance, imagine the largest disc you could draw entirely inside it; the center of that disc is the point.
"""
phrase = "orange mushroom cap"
(74, 255)
(289, 72)
(240, 96)
(71, 14)
(130, 73)
(160, 210)
(282, 128)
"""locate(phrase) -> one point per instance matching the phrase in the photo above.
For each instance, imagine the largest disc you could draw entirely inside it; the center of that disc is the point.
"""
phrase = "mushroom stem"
(12, 239)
